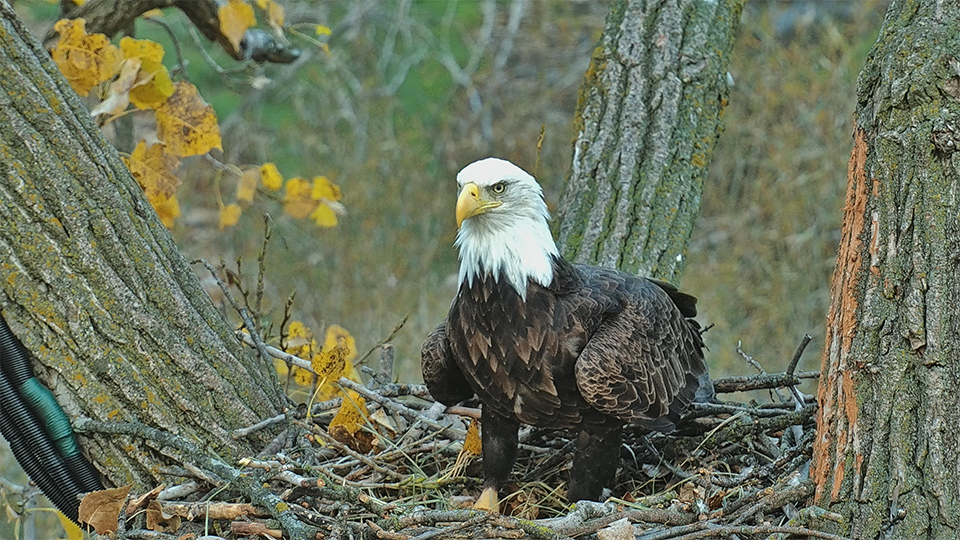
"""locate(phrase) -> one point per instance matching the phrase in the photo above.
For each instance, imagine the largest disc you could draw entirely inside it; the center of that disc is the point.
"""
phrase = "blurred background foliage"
(410, 91)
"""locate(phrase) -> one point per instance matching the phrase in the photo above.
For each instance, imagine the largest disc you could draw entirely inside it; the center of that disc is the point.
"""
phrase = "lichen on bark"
(93, 285)
(649, 114)
(889, 423)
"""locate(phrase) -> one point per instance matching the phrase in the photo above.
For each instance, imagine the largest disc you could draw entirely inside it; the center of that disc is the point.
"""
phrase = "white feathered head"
(503, 225)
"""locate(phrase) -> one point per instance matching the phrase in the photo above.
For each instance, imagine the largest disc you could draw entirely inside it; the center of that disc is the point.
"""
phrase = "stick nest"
(731, 469)
(410, 470)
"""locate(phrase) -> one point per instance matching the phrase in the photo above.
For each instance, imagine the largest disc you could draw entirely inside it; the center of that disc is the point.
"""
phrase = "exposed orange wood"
(850, 409)
(836, 392)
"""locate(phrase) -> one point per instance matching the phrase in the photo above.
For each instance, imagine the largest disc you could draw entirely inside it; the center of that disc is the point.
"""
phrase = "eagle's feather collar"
(518, 248)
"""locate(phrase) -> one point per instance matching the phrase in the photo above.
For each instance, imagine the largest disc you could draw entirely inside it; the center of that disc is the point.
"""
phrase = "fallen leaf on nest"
(161, 521)
(472, 443)
(101, 509)
(141, 501)
(347, 426)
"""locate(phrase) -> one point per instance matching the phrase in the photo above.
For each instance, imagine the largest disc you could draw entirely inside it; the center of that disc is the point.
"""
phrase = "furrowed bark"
(110, 17)
(889, 423)
(649, 115)
(93, 285)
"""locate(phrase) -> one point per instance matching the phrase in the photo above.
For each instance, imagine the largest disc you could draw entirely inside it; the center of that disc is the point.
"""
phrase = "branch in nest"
(113, 16)
(776, 500)
(329, 440)
(740, 429)
(216, 510)
(432, 517)
(742, 383)
(248, 485)
(708, 530)
(766, 471)
(396, 406)
(589, 517)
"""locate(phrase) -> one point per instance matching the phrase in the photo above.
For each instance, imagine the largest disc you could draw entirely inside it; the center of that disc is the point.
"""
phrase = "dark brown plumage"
(596, 349)
(591, 350)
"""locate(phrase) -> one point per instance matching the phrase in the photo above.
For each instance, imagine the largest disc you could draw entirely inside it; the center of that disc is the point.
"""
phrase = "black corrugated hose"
(39, 431)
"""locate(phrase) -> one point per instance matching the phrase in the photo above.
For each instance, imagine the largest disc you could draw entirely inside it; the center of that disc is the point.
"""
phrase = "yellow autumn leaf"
(118, 95)
(154, 168)
(276, 15)
(271, 177)
(324, 216)
(186, 123)
(86, 60)
(300, 340)
(334, 361)
(154, 13)
(74, 532)
(247, 186)
(322, 30)
(350, 372)
(352, 414)
(167, 208)
(472, 443)
(280, 366)
(330, 389)
(323, 188)
(327, 193)
(236, 16)
(143, 49)
(329, 365)
(297, 200)
(302, 377)
(274, 11)
(308, 349)
(229, 216)
(338, 336)
(472, 446)
(297, 329)
(153, 85)
(347, 425)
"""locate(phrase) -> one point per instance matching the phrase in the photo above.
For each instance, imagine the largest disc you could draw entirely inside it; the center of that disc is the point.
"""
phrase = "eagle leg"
(594, 463)
(499, 438)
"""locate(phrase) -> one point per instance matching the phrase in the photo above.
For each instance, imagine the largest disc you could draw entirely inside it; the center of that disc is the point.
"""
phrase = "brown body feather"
(595, 349)
(544, 342)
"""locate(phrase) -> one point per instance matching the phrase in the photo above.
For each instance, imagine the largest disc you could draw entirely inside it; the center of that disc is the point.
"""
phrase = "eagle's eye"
(499, 187)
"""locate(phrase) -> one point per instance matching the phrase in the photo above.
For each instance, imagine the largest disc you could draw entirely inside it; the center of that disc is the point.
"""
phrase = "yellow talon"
(488, 501)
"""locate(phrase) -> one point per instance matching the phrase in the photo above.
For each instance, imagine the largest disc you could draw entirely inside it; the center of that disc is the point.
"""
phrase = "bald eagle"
(552, 344)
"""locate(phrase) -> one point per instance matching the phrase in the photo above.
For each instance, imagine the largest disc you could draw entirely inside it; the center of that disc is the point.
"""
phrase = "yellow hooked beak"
(470, 204)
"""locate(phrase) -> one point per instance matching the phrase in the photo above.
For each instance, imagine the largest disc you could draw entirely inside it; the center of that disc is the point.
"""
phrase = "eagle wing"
(642, 364)
(440, 372)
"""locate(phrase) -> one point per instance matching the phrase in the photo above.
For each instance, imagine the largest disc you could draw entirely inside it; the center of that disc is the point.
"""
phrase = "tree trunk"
(889, 423)
(93, 285)
(649, 115)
